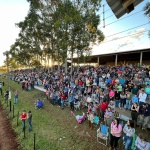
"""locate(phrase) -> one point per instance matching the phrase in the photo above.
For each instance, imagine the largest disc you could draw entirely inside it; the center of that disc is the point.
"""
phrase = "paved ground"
(7, 135)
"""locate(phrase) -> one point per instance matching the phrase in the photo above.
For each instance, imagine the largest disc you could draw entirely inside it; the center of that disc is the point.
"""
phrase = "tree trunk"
(58, 62)
(48, 62)
(78, 63)
(66, 67)
(71, 63)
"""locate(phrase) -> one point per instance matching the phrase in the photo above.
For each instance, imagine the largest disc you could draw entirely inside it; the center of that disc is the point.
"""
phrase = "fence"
(9, 107)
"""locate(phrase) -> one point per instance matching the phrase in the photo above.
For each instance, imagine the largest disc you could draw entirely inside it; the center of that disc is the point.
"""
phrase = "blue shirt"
(71, 99)
(135, 99)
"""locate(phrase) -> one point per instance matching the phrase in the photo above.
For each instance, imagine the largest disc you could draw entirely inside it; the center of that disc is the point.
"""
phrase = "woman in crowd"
(128, 134)
(134, 112)
(108, 116)
(122, 100)
(115, 134)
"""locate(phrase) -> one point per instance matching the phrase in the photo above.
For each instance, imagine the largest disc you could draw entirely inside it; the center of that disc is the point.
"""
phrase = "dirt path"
(7, 135)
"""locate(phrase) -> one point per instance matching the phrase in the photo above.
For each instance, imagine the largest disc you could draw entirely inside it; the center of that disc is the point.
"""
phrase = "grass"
(55, 129)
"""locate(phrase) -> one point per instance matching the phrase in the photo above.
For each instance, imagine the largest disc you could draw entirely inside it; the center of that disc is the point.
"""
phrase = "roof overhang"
(121, 7)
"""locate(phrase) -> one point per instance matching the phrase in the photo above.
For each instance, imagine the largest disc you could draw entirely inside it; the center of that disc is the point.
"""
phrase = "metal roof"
(117, 6)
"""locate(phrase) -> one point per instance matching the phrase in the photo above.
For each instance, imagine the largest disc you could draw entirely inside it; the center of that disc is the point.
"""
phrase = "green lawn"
(55, 129)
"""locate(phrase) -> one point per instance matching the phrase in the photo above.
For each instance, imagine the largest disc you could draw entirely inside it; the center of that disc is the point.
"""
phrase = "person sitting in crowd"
(144, 116)
(38, 104)
(140, 143)
(128, 134)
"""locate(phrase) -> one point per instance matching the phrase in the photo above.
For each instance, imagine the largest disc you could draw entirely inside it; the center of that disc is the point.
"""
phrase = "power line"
(122, 18)
(128, 29)
(105, 11)
(122, 37)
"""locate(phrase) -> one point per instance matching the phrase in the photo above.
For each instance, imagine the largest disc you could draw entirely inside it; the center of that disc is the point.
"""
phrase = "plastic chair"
(133, 141)
(102, 133)
(116, 114)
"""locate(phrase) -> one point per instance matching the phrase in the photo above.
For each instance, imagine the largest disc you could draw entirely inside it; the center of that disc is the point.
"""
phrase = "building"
(141, 56)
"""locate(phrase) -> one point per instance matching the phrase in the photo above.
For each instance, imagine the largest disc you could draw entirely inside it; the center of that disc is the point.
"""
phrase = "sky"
(14, 11)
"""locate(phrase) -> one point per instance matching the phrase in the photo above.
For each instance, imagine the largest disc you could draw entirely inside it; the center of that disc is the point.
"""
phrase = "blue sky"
(135, 39)
(14, 11)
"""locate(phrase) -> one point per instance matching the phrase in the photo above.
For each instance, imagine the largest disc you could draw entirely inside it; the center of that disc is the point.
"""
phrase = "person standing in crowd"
(90, 116)
(71, 99)
(16, 97)
(128, 100)
(29, 117)
(142, 97)
(122, 100)
(63, 98)
(115, 134)
(112, 106)
(103, 108)
(144, 116)
(108, 116)
(1, 91)
(128, 134)
(134, 113)
(23, 117)
(135, 90)
(135, 99)
(117, 98)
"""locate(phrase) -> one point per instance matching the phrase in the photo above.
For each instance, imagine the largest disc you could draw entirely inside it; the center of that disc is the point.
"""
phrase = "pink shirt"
(115, 129)
(111, 94)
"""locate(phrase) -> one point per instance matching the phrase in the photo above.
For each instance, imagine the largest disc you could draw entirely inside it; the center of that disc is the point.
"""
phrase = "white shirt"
(142, 97)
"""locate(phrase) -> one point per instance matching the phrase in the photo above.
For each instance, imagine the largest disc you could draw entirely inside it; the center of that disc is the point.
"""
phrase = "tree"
(59, 29)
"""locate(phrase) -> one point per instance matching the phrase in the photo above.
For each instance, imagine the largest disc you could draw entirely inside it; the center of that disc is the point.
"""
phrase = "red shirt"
(63, 97)
(23, 116)
(80, 82)
(104, 106)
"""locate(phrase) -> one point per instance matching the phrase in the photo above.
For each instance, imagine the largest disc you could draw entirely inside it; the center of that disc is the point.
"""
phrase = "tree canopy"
(57, 29)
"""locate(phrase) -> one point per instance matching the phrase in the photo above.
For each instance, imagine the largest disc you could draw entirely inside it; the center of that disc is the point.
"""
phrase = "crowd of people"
(99, 90)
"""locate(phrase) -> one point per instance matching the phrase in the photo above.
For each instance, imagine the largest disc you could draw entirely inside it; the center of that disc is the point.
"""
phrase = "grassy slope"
(50, 124)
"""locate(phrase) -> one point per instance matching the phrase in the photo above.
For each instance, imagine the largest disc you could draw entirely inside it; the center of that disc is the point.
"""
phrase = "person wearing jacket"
(144, 116)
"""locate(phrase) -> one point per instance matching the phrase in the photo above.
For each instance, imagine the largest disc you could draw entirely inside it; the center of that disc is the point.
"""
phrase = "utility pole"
(8, 73)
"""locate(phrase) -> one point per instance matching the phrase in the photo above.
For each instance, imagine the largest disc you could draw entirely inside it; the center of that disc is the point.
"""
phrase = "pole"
(17, 117)
(24, 128)
(116, 60)
(10, 105)
(141, 58)
(13, 111)
(103, 16)
(34, 141)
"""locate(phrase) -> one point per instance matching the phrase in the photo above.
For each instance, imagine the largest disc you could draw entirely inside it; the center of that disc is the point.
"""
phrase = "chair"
(133, 141)
(103, 134)
(96, 120)
(116, 114)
